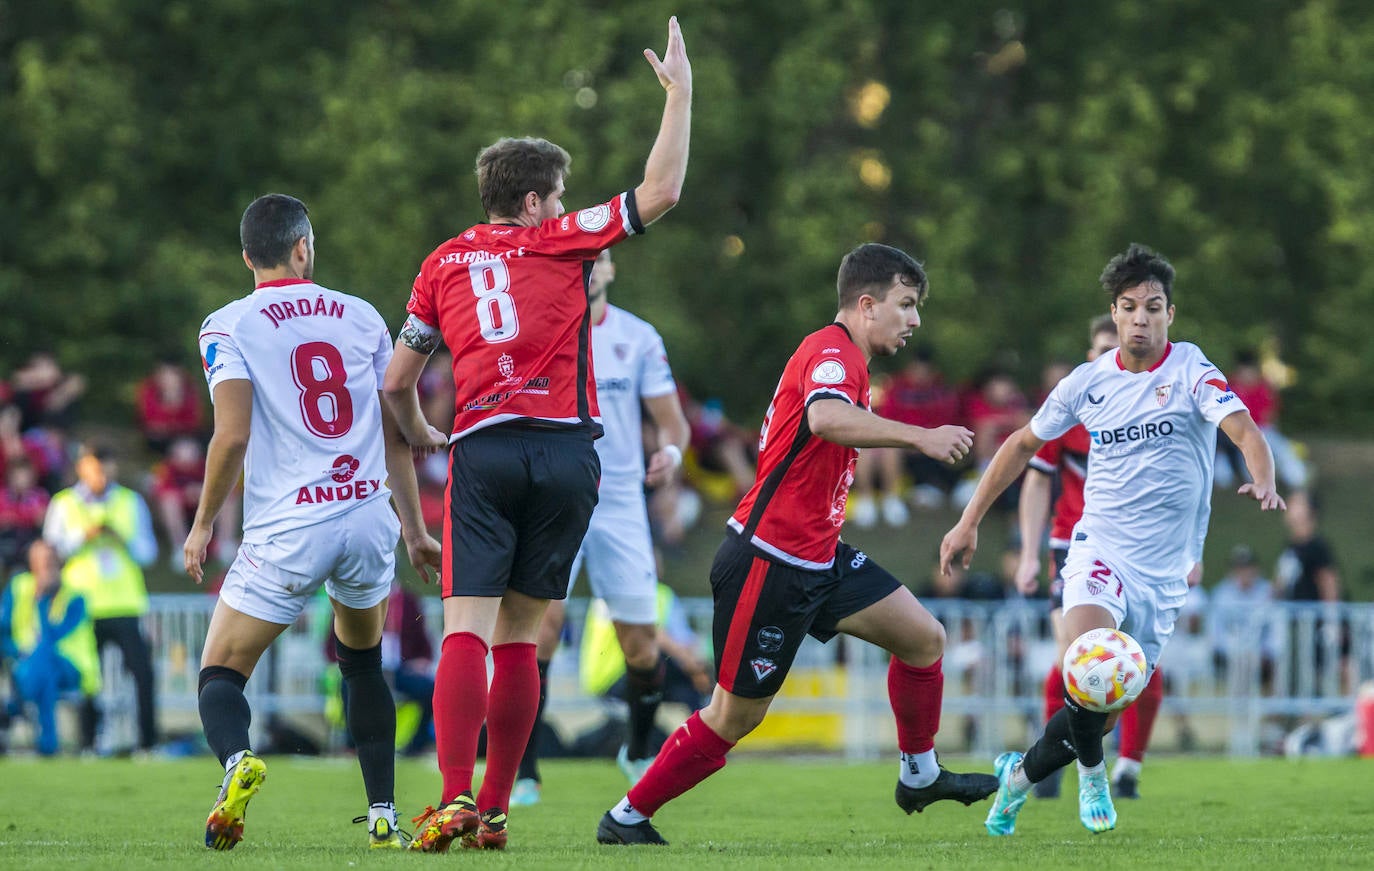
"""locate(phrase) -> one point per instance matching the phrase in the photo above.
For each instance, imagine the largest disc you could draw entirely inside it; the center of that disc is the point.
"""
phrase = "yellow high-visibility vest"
(101, 569)
(601, 662)
(78, 647)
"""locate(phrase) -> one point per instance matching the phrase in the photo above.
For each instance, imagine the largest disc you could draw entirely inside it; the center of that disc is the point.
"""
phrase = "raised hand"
(674, 70)
(1268, 498)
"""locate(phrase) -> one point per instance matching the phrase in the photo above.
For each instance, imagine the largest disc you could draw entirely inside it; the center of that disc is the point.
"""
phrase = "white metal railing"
(1314, 657)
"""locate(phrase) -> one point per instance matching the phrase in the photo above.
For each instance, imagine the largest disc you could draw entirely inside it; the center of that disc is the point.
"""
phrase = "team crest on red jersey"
(595, 219)
(1162, 394)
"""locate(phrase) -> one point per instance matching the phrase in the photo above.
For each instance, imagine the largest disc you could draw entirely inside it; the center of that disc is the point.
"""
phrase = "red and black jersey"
(796, 507)
(511, 304)
(1067, 457)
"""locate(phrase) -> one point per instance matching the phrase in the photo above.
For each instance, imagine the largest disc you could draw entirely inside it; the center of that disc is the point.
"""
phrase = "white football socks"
(918, 769)
(625, 814)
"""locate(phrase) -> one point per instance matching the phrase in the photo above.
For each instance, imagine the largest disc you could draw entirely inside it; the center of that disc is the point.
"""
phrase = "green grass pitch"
(758, 812)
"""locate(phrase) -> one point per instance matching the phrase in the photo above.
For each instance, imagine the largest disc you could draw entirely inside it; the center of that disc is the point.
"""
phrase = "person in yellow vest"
(601, 663)
(45, 629)
(105, 533)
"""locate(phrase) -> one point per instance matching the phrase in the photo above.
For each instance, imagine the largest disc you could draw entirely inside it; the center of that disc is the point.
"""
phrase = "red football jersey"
(1066, 456)
(796, 507)
(511, 304)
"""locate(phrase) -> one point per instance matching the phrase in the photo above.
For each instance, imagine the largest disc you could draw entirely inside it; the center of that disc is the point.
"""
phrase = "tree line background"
(1013, 147)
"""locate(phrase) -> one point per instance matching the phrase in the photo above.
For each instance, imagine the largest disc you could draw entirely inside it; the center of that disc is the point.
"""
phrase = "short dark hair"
(870, 269)
(510, 168)
(1099, 325)
(271, 226)
(102, 451)
(1134, 267)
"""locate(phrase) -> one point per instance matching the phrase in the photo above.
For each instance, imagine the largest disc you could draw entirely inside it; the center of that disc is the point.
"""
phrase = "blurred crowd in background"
(82, 518)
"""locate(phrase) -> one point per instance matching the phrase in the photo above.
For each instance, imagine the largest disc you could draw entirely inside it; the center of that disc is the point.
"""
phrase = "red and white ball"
(1104, 670)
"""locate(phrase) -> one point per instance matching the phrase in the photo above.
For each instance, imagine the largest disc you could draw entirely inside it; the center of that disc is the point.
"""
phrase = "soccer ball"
(1104, 670)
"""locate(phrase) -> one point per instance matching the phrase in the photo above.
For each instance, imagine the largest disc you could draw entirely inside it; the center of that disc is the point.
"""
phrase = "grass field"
(1197, 813)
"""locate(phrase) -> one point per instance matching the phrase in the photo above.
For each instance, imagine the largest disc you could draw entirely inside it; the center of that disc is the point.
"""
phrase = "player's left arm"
(1240, 428)
(421, 547)
(673, 432)
(223, 464)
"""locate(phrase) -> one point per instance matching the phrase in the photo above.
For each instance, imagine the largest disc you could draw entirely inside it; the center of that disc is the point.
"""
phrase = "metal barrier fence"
(1228, 673)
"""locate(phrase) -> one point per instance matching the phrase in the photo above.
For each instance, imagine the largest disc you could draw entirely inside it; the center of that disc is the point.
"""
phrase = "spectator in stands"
(44, 393)
(718, 446)
(1235, 623)
(22, 507)
(1307, 572)
(176, 485)
(170, 407)
(43, 450)
(105, 532)
(1247, 381)
(45, 630)
(919, 396)
(995, 409)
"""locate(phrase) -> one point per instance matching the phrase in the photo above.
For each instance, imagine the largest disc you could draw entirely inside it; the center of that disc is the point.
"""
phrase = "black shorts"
(764, 608)
(517, 507)
(1059, 555)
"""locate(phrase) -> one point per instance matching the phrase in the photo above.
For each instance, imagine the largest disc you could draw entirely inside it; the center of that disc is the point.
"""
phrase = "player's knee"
(219, 672)
(355, 662)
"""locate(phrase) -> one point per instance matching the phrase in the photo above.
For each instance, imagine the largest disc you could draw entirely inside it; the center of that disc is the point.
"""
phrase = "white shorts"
(353, 555)
(619, 554)
(1145, 609)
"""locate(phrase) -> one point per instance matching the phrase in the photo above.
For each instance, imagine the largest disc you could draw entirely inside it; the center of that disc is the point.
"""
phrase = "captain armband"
(419, 336)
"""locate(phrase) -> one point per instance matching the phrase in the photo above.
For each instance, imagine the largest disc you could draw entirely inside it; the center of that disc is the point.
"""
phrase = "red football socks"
(689, 756)
(460, 707)
(1138, 721)
(916, 695)
(1054, 690)
(511, 712)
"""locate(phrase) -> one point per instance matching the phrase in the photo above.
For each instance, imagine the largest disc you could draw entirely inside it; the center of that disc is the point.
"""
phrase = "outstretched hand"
(674, 70)
(948, 444)
(1268, 497)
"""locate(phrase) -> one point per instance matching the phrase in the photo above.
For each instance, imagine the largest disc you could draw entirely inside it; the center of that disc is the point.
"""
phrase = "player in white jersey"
(1152, 410)
(294, 371)
(632, 375)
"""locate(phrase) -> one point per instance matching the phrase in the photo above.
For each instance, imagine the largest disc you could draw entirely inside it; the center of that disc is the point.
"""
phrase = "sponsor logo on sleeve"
(595, 219)
(208, 359)
(1219, 384)
(828, 372)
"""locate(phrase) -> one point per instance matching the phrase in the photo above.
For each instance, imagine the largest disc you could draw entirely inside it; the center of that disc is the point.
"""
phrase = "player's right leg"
(233, 646)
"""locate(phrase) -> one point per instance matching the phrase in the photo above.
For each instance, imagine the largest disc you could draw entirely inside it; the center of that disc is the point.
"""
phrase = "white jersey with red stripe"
(315, 358)
(630, 364)
(510, 302)
(1153, 438)
(796, 507)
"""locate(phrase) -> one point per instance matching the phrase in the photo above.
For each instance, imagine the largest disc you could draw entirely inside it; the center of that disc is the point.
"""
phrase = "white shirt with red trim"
(796, 507)
(511, 305)
(1153, 437)
(316, 358)
(631, 364)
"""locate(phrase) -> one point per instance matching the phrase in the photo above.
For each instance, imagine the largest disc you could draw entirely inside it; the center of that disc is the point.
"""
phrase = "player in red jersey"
(783, 573)
(509, 299)
(1066, 459)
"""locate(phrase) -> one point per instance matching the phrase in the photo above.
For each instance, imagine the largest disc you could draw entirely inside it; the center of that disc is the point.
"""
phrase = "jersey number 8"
(326, 404)
(495, 305)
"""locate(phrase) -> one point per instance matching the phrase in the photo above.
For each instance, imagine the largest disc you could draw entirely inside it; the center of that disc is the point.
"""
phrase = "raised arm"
(1240, 428)
(667, 165)
(223, 465)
